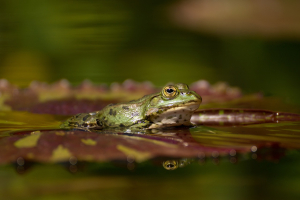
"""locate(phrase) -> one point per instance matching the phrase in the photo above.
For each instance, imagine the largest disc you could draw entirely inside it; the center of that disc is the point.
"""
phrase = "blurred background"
(253, 44)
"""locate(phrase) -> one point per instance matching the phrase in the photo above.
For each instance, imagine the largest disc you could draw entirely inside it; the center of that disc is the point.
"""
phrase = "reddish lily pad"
(62, 99)
(199, 142)
(61, 146)
(234, 117)
(45, 144)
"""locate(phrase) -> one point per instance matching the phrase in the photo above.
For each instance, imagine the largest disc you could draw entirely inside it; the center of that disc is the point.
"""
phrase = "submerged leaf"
(11, 122)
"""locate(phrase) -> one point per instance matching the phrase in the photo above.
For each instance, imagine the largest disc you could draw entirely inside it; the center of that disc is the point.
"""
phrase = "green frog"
(173, 106)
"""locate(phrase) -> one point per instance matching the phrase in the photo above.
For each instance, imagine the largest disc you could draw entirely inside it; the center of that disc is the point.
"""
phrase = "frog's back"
(113, 116)
(122, 114)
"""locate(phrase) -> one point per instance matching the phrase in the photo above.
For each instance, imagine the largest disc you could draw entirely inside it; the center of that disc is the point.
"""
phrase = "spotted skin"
(173, 106)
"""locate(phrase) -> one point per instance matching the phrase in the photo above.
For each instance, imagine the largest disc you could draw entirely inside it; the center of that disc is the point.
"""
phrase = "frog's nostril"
(188, 93)
(196, 95)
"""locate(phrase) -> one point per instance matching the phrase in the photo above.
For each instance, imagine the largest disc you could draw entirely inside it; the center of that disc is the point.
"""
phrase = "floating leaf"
(28, 141)
(60, 154)
(89, 142)
(230, 117)
(62, 99)
(136, 155)
(230, 132)
(60, 146)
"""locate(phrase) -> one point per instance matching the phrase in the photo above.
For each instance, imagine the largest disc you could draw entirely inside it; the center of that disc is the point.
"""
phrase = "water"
(157, 41)
(258, 161)
(240, 153)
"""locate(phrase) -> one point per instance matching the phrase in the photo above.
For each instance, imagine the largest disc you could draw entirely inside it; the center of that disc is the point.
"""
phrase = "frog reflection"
(174, 164)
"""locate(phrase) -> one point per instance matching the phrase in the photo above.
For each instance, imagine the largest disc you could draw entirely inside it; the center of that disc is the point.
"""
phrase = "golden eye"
(170, 91)
(170, 164)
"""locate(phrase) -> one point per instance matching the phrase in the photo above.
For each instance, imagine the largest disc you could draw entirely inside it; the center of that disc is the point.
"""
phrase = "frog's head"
(174, 106)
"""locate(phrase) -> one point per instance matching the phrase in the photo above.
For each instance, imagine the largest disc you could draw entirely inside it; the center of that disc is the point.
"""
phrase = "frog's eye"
(169, 91)
(170, 164)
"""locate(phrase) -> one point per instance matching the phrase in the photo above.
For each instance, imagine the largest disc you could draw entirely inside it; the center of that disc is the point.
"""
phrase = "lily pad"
(63, 99)
(30, 130)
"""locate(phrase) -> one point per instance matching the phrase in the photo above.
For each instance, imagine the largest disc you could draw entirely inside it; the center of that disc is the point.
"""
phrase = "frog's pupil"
(170, 165)
(169, 90)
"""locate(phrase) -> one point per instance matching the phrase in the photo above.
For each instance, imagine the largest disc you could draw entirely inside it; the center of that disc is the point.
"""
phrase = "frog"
(172, 106)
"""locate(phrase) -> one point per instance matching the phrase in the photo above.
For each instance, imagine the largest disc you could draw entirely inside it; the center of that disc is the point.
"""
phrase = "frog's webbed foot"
(141, 124)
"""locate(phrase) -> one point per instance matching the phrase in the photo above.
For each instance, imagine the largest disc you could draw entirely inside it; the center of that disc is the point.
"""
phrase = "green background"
(111, 41)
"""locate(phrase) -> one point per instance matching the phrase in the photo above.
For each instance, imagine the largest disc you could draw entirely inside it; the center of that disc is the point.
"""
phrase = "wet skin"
(173, 106)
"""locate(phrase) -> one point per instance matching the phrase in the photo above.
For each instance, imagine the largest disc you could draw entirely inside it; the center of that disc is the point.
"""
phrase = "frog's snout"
(196, 95)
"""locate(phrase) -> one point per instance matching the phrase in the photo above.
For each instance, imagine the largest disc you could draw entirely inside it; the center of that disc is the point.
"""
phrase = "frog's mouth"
(189, 106)
(172, 115)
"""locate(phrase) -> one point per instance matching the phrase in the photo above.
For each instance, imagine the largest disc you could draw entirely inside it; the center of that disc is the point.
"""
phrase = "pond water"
(246, 161)
(242, 147)
(236, 150)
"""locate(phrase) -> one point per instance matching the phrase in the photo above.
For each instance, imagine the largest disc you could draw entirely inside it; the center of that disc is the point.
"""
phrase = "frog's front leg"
(141, 124)
(83, 121)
